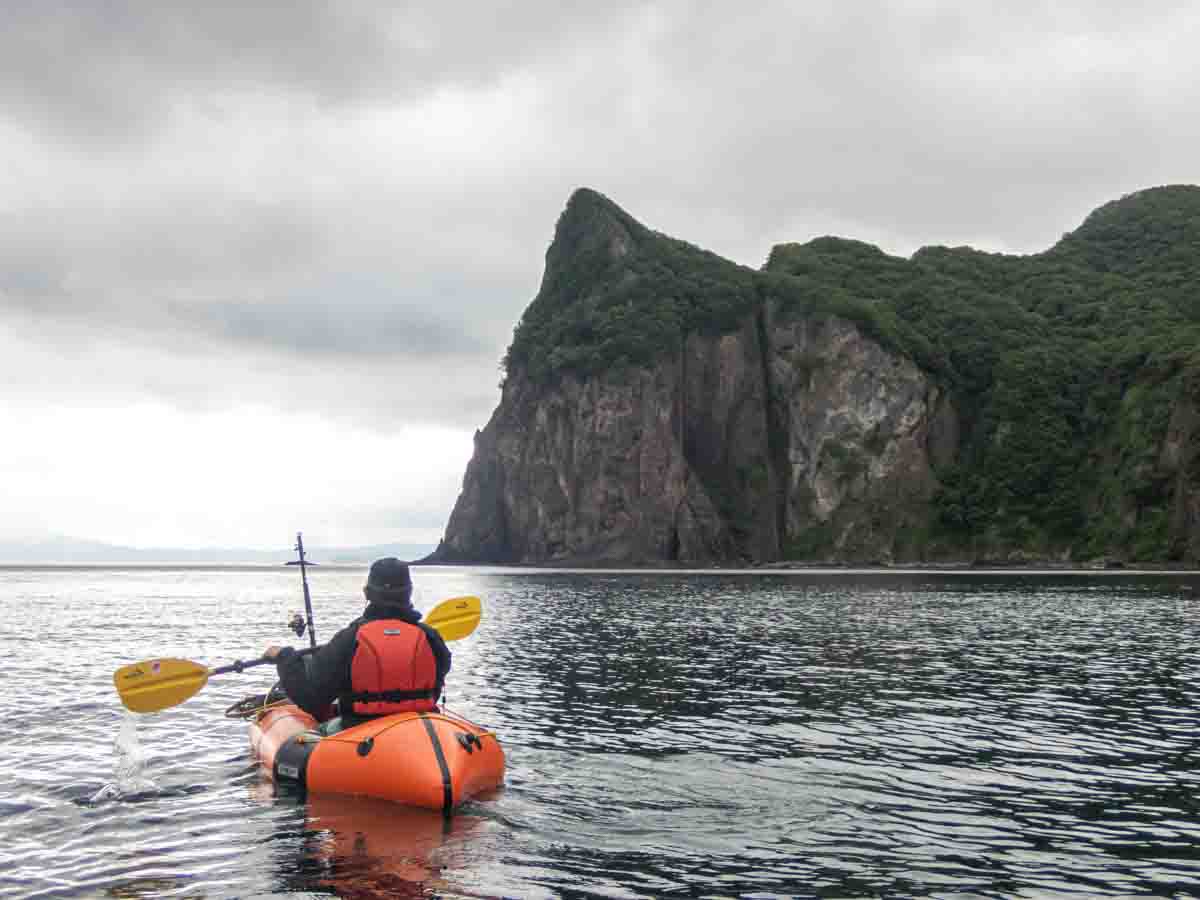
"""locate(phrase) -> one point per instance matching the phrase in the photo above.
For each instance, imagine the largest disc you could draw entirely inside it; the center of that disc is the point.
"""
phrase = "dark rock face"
(723, 453)
(587, 472)
(861, 430)
(784, 431)
(1180, 462)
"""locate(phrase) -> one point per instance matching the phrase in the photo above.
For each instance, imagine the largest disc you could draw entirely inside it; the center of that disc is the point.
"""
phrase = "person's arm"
(441, 654)
(313, 681)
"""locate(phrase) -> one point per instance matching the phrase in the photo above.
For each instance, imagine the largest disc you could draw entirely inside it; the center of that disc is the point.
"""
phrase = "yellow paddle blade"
(158, 683)
(455, 618)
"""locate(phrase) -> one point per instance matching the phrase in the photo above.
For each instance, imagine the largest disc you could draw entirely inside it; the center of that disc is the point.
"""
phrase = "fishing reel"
(297, 624)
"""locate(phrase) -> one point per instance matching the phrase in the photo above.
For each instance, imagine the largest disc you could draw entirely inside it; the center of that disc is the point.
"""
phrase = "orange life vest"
(393, 670)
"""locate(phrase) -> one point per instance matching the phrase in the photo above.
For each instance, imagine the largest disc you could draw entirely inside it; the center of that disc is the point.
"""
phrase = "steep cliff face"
(585, 472)
(692, 461)
(780, 433)
(1179, 460)
(863, 430)
(632, 463)
(662, 405)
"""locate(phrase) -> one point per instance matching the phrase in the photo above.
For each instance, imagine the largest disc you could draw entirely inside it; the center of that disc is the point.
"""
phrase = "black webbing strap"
(392, 696)
(440, 755)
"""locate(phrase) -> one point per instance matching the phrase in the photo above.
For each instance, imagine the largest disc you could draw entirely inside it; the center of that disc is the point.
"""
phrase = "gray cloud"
(86, 363)
(100, 71)
(355, 199)
(344, 316)
(915, 122)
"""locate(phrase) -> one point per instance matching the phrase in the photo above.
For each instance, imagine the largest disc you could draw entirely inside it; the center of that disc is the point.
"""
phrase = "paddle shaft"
(453, 619)
(238, 666)
(156, 684)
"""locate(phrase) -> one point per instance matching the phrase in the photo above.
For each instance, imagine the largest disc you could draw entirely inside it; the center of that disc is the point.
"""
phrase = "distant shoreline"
(217, 564)
(69, 551)
(788, 568)
(830, 566)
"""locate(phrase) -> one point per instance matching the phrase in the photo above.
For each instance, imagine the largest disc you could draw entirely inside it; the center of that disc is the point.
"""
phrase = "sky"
(259, 262)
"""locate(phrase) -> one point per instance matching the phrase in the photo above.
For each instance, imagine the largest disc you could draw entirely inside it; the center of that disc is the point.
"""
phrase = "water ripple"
(668, 735)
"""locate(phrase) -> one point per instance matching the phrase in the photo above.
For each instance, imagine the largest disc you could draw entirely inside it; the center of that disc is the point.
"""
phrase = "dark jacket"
(313, 681)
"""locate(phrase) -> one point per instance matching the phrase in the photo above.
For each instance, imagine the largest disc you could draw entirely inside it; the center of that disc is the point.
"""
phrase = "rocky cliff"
(664, 406)
(732, 450)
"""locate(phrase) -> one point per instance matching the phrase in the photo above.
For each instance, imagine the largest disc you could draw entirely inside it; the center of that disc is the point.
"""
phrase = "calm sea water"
(669, 735)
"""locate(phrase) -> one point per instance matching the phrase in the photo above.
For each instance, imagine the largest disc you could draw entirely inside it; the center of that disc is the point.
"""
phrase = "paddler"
(386, 661)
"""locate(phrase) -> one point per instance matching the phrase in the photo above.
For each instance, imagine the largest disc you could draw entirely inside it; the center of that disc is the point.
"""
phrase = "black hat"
(389, 577)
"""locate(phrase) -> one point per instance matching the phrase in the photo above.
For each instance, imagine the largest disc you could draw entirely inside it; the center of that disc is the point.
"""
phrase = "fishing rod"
(298, 627)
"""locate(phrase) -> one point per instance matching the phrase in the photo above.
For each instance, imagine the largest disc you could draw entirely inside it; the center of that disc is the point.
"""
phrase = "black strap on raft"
(440, 755)
(392, 696)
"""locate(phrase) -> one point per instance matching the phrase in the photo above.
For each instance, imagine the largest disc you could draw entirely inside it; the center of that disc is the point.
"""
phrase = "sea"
(700, 734)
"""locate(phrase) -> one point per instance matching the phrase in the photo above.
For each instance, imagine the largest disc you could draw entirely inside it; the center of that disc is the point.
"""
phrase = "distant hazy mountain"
(70, 550)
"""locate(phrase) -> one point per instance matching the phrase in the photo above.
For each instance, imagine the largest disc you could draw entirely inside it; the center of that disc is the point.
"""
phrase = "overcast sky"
(259, 261)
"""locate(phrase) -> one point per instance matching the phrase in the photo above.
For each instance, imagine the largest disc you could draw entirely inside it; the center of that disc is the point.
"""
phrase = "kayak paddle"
(162, 683)
(455, 618)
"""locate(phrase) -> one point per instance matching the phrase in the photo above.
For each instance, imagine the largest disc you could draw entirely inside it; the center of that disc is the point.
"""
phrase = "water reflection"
(361, 847)
(146, 888)
(599, 666)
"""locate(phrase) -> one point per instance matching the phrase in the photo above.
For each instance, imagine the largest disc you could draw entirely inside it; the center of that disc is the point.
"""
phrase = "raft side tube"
(275, 727)
(431, 760)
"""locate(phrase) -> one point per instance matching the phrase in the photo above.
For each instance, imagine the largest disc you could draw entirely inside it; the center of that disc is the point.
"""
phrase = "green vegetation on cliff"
(1065, 366)
(615, 294)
